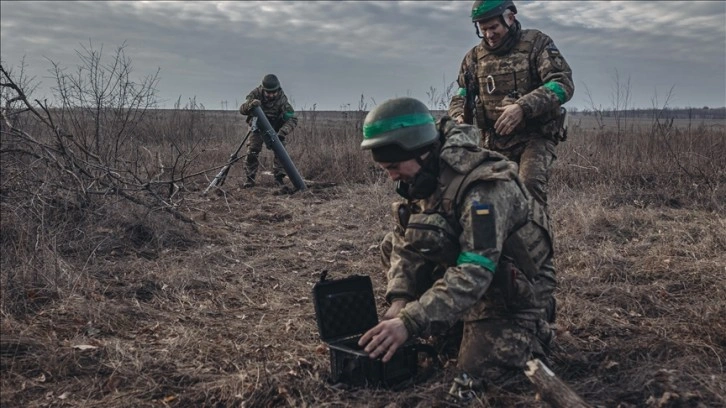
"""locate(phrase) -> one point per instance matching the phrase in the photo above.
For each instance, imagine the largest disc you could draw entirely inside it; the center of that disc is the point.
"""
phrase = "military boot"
(249, 183)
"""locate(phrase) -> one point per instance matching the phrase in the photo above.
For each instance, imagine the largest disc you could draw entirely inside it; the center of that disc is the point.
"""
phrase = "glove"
(255, 103)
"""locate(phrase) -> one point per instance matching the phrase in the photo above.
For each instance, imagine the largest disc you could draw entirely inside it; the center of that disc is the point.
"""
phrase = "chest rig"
(272, 109)
(433, 226)
(505, 78)
(499, 76)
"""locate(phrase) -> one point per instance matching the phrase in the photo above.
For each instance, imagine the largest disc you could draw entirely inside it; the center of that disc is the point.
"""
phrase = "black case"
(345, 309)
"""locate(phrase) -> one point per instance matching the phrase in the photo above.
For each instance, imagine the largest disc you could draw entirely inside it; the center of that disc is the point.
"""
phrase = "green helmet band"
(486, 9)
(397, 129)
(374, 129)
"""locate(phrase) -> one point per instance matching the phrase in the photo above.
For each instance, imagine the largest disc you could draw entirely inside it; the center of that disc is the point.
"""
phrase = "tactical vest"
(530, 244)
(431, 227)
(273, 109)
(514, 73)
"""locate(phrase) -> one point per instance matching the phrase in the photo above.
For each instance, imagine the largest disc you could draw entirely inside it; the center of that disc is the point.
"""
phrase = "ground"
(228, 320)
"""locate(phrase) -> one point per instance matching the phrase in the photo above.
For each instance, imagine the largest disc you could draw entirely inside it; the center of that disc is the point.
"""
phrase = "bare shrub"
(659, 159)
(329, 149)
(72, 173)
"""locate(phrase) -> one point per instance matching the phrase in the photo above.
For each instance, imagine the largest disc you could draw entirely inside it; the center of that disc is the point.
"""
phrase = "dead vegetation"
(198, 300)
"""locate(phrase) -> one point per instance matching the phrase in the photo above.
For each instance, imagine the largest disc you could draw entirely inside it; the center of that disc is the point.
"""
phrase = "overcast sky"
(328, 54)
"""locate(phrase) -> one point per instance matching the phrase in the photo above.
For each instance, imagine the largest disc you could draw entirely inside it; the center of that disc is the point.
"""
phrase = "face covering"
(424, 182)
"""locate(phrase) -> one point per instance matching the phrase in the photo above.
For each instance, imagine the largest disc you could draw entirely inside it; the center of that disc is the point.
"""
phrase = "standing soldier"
(273, 101)
(469, 245)
(514, 83)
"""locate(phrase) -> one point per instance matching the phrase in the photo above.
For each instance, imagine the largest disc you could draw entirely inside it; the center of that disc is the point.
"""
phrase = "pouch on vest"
(345, 309)
(518, 290)
(553, 125)
(401, 213)
(562, 124)
(433, 237)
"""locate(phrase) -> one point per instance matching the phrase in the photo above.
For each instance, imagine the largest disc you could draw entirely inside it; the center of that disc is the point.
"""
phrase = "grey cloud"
(330, 52)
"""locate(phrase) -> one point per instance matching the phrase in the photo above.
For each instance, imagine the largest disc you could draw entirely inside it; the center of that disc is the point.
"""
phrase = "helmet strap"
(504, 22)
(426, 180)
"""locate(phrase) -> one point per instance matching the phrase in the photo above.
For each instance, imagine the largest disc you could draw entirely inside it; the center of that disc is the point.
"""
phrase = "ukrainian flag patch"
(481, 209)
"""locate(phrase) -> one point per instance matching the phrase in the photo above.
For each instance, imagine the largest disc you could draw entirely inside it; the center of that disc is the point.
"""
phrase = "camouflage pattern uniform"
(448, 259)
(283, 120)
(543, 83)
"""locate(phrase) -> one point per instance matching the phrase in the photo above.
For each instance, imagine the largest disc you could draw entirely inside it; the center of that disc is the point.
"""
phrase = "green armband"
(476, 259)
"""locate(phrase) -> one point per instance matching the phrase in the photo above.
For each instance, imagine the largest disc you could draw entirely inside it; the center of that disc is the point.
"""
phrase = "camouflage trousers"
(535, 158)
(494, 349)
(252, 162)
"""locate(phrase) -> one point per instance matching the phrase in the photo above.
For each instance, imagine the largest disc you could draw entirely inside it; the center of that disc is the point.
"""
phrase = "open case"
(345, 309)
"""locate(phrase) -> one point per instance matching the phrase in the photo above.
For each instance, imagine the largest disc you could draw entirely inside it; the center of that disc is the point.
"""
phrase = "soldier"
(469, 245)
(514, 83)
(279, 112)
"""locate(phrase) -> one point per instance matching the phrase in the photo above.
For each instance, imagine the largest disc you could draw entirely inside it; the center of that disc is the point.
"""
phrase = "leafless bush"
(326, 147)
(72, 173)
(439, 100)
(661, 157)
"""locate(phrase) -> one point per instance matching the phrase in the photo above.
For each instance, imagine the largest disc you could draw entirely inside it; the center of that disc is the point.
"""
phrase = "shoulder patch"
(483, 226)
(552, 49)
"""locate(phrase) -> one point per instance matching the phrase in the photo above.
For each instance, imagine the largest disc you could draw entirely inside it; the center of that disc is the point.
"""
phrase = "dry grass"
(109, 306)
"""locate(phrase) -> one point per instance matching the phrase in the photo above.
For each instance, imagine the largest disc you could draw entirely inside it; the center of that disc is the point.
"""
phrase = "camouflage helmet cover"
(399, 129)
(488, 9)
(270, 82)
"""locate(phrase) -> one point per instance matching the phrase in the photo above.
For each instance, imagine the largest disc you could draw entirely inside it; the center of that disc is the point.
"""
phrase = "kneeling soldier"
(470, 245)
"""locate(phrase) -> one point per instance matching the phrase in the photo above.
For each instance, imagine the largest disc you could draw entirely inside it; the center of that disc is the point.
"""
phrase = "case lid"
(344, 307)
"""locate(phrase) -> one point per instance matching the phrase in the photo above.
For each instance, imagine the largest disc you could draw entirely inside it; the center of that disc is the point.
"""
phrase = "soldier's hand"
(511, 116)
(460, 119)
(255, 103)
(395, 308)
(384, 339)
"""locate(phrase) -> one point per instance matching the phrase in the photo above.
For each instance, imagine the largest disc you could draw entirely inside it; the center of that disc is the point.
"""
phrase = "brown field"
(110, 303)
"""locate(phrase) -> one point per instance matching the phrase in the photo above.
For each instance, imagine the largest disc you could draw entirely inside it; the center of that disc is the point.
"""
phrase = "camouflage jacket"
(455, 239)
(543, 83)
(278, 110)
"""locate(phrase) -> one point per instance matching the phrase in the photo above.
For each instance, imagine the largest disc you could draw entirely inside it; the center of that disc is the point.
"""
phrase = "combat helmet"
(399, 129)
(270, 83)
(486, 9)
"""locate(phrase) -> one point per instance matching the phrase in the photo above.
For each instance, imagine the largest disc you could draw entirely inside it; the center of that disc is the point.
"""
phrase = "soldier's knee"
(386, 248)
(491, 346)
